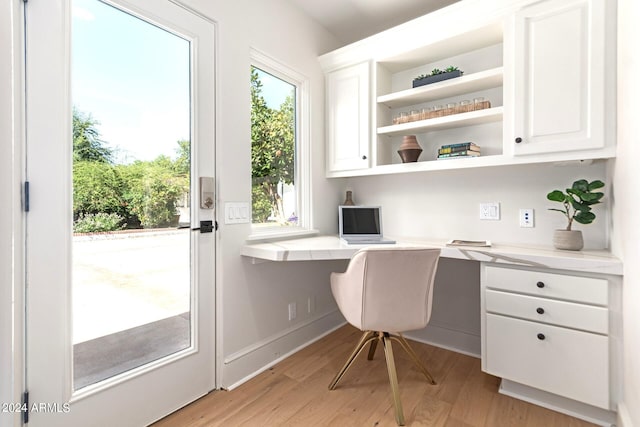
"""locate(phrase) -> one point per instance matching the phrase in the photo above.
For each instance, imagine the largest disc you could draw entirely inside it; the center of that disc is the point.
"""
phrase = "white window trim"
(303, 149)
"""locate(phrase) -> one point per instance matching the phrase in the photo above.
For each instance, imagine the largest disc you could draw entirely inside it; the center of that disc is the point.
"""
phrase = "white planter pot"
(569, 240)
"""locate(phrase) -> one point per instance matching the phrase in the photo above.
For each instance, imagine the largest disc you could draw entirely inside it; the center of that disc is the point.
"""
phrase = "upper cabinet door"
(348, 102)
(559, 79)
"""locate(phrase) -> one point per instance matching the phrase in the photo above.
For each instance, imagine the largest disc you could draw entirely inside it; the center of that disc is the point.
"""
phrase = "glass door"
(120, 295)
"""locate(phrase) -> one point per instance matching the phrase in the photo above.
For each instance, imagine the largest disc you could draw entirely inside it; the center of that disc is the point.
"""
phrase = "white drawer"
(566, 362)
(561, 286)
(560, 313)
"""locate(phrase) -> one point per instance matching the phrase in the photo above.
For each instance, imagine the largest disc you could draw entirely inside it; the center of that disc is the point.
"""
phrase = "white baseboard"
(245, 364)
(449, 339)
(557, 403)
(624, 418)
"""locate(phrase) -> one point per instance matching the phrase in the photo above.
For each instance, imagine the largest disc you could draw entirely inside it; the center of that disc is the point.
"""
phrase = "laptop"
(361, 225)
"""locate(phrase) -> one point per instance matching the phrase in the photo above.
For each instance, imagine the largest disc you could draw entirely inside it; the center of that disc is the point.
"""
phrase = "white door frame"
(11, 218)
(46, 93)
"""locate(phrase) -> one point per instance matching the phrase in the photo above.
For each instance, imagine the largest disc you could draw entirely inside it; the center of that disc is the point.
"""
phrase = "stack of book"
(462, 149)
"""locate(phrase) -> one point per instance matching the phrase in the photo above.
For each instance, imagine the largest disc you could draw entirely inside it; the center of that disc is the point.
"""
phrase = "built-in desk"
(550, 319)
(332, 248)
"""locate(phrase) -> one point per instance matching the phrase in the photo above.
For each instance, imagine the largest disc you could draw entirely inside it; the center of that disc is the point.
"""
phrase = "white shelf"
(447, 122)
(585, 157)
(457, 86)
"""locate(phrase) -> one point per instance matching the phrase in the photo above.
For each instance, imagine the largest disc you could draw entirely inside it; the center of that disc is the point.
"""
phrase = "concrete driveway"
(124, 280)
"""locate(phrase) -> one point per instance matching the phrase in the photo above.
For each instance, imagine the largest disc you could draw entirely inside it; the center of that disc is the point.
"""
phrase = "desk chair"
(384, 292)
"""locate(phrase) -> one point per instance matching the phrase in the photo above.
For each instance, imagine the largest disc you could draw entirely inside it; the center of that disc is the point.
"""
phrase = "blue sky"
(133, 78)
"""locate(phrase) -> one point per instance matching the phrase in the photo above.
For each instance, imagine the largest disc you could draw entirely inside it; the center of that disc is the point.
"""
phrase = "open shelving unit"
(464, 84)
(446, 122)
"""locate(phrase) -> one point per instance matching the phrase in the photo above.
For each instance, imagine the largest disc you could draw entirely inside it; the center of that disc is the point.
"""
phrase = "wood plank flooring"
(295, 393)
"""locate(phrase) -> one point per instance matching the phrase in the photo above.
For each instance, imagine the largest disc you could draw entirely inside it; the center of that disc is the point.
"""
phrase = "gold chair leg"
(372, 349)
(393, 378)
(366, 337)
(403, 342)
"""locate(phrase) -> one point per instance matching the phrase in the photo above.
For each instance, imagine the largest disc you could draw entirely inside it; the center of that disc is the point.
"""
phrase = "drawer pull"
(540, 285)
(540, 310)
(541, 337)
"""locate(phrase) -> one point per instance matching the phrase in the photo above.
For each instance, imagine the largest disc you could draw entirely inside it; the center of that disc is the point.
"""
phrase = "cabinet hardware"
(540, 310)
(518, 140)
(541, 337)
(540, 285)
(364, 157)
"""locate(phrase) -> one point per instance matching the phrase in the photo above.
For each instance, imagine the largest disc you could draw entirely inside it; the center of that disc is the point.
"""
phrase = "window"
(279, 163)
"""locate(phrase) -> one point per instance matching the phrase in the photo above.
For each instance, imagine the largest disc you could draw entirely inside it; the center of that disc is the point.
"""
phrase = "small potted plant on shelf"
(437, 75)
(576, 202)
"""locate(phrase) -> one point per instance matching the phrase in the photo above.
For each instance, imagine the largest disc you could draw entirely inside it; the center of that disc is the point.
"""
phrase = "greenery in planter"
(577, 201)
(437, 71)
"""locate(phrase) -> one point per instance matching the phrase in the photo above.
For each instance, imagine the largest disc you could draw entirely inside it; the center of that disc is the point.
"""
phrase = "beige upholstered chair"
(384, 292)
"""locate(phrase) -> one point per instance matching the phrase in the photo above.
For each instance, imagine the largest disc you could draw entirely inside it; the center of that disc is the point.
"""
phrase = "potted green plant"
(576, 202)
(437, 75)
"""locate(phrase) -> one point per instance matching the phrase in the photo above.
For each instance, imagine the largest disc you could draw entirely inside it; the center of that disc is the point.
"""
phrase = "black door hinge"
(26, 196)
(25, 407)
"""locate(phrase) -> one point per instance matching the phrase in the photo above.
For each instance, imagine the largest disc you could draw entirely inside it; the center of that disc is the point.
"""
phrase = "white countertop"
(332, 248)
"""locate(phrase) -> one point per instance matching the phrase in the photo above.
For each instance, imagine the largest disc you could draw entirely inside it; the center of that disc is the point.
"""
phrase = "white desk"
(332, 248)
(516, 273)
(525, 291)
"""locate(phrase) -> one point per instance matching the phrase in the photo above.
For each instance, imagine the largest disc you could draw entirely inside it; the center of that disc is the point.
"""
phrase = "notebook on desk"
(361, 225)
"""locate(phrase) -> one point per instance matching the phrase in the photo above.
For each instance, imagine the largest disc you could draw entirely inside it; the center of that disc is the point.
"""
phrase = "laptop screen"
(360, 221)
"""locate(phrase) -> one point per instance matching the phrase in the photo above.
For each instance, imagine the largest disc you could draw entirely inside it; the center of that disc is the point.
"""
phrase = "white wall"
(626, 230)
(445, 204)
(253, 299)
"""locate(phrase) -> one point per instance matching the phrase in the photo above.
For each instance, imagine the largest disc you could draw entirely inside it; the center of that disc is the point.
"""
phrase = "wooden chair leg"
(372, 349)
(403, 342)
(366, 337)
(393, 378)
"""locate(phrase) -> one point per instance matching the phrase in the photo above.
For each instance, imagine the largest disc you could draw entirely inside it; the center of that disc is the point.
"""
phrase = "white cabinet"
(348, 103)
(547, 67)
(548, 331)
(559, 77)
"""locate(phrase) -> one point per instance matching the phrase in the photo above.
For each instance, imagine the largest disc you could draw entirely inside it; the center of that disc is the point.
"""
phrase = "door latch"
(206, 226)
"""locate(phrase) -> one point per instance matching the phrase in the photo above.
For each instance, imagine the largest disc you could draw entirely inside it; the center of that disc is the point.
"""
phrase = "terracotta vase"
(409, 149)
(348, 201)
(568, 239)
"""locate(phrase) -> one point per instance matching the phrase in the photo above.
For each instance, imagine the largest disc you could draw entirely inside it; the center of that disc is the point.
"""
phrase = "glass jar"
(404, 117)
(426, 113)
(451, 108)
(438, 111)
(465, 106)
(480, 103)
(415, 115)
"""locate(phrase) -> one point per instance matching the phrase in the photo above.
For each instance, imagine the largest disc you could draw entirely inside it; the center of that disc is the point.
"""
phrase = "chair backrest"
(387, 289)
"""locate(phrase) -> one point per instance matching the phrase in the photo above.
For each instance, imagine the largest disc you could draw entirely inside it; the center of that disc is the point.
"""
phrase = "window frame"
(302, 165)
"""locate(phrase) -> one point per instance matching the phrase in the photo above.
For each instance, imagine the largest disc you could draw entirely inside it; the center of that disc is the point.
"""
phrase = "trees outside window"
(273, 149)
(109, 196)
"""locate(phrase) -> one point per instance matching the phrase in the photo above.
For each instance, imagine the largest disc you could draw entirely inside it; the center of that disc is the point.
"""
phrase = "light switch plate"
(237, 213)
(490, 211)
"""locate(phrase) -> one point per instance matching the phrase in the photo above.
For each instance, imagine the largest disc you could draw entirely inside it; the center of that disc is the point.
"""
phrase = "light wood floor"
(294, 393)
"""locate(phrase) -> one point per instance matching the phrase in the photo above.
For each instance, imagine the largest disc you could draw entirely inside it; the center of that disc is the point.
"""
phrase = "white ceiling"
(352, 20)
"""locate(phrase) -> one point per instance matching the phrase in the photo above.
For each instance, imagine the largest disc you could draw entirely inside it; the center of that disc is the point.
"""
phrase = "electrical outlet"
(526, 218)
(292, 311)
(490, 211)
